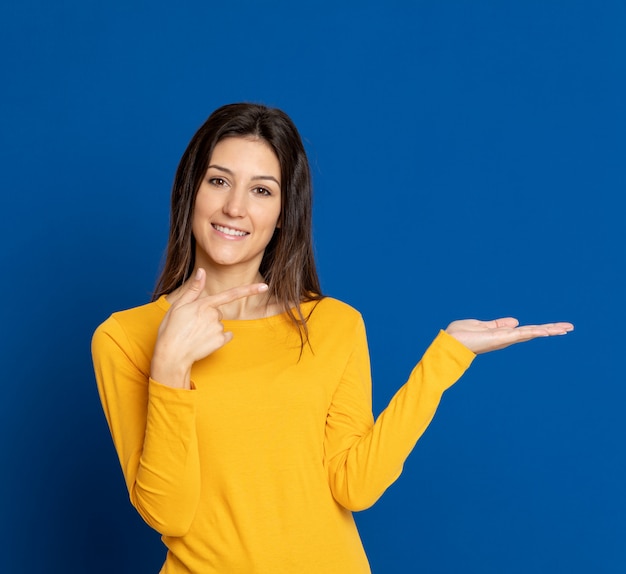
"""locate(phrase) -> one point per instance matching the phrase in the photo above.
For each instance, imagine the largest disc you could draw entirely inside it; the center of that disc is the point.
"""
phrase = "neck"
(220, 279)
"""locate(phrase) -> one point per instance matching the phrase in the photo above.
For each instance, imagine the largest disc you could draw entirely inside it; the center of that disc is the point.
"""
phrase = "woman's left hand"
(485, 336)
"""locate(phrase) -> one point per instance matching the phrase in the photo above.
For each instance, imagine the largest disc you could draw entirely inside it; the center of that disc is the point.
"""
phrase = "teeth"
(229, 231)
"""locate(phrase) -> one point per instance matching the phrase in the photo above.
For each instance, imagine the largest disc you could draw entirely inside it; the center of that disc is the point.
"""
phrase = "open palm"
(485, 336)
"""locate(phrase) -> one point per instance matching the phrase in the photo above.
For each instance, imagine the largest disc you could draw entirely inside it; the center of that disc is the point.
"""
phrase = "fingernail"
(198, 274)
(263, 287)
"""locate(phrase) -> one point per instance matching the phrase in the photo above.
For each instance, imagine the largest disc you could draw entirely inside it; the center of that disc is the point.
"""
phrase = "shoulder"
(333, 312)
(335, 330)
(136, 323)
(335, 305)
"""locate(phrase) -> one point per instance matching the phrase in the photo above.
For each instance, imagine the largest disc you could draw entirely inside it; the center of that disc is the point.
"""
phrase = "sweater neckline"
(165, 305)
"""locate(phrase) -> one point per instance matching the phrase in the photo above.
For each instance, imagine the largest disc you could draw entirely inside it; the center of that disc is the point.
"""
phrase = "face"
(238, 204)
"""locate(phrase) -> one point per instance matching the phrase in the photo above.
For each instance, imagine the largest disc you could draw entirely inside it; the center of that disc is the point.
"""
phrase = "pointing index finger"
(235, 293)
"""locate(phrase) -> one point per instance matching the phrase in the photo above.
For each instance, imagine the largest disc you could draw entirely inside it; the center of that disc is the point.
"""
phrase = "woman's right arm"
(150, 405)
(153, 430)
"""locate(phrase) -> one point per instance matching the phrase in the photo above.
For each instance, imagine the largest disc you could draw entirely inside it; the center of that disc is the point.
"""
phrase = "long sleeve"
(258, 467)
(362, 457)
(153, 429)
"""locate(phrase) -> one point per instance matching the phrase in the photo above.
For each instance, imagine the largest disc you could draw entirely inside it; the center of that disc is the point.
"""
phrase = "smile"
(229, 231)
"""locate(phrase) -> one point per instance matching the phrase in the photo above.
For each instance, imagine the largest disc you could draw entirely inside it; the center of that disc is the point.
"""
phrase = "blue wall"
(468, 161)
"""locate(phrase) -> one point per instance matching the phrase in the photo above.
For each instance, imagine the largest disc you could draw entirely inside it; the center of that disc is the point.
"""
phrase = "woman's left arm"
(364, 457)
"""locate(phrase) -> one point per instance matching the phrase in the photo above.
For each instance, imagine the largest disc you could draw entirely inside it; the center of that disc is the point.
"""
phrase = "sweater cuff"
(458, 350)
(171, 422)
(171, 402)
(444, 362)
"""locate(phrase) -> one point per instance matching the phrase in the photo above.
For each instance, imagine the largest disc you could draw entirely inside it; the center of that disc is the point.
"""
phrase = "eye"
(262, 191)
(217, 181)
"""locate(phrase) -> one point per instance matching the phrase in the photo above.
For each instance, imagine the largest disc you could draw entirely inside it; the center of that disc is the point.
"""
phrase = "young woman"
(239, 399)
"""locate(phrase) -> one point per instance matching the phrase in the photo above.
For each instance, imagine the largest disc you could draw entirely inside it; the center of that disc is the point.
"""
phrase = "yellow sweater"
(257, 469)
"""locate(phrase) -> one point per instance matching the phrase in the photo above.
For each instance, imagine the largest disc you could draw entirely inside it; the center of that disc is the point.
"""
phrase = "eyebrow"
(254, 177)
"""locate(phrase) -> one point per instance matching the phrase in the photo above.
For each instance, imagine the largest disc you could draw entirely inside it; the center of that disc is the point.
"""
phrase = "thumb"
(194, 287)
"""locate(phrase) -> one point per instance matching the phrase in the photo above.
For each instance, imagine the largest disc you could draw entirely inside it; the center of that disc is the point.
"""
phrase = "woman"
(239, 399)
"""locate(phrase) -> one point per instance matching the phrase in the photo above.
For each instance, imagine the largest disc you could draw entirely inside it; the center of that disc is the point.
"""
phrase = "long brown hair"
(288, 265)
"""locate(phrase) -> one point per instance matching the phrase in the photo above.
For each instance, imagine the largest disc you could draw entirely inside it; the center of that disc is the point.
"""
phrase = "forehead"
(243, 150)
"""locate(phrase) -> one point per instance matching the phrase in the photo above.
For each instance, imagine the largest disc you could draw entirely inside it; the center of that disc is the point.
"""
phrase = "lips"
(229, 230)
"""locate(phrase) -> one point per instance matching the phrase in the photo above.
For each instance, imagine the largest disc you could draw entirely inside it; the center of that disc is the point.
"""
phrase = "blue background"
(468, 161)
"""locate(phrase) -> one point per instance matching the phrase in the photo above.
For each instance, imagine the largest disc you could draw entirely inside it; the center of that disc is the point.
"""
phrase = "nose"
(235, 203)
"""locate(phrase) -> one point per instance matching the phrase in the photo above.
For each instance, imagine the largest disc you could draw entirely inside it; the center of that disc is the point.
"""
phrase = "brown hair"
(288, 265)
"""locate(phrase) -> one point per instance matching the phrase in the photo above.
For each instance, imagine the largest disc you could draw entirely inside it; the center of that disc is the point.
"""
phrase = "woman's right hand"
(192, 329)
